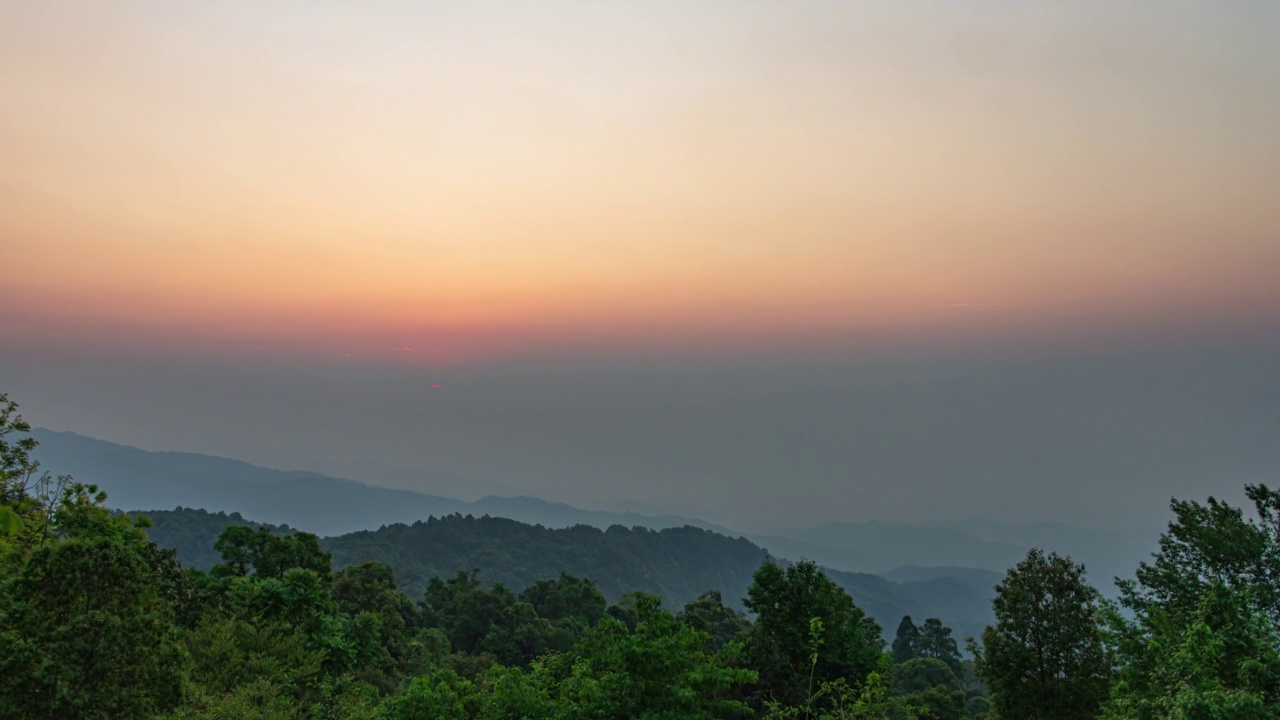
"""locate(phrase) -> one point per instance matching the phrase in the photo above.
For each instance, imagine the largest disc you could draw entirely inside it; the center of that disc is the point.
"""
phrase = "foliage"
(1203, 636)
(780, 644)
(85, 627)
(567, 601)
(489, 620)
(676, 564)
(904, 641)
(265, 554)
(96, 621)
(368, 593)
(17, 468)
(230, 655)
(935, 641)
(1213, 544)
(1044, 657)
(259, 699)
(1225, 663)
(930, 687)
(835, 700)
(438, 695)
(659, 669)
(920, 674)
(709, 614)
(931, 640)
(29, 498)
(191, 533)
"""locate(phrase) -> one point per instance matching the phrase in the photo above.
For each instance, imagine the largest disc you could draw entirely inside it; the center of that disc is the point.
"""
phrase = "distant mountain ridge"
(136, 479)
(975, 544)
(503, 538)
(879, 547)
(976, 577)
(327, 505)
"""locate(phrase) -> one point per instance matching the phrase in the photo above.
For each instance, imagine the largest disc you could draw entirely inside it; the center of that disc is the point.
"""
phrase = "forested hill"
(191, 532)
(677, 564)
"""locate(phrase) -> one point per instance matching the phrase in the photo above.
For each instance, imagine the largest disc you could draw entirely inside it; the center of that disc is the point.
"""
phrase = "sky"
(767, 263)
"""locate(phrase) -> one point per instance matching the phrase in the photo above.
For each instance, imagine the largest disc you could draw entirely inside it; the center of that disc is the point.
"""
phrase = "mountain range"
(314, 502)
(984, 544)
(942, 569)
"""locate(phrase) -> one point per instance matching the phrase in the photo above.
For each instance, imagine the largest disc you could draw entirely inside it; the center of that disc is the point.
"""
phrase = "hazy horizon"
(770, 265)
(1098, 438)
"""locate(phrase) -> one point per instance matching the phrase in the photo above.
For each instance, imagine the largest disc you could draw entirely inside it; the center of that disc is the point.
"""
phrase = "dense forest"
(98, 621)
(675, 564)
(191, 533)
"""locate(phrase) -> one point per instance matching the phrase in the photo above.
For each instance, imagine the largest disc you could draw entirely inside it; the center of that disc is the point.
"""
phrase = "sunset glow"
(501, 178)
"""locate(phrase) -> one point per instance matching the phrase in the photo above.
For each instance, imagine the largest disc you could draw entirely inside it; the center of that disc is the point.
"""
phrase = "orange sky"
(488, 177)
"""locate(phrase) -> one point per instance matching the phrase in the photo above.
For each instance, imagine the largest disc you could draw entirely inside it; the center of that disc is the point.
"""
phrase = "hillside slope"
(677, 564)
(138, 479)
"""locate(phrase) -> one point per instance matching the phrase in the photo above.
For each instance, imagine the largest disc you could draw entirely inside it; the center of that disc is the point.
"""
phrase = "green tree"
(929, 685)
(85, 627)
(920, 674)
(233, 658)
(568, 602)
(285, 582)
(260, 699)
(709, 614)
(1202, 639)
(370, 589)
(29, 497)
(17, 468)
(660, 669)
(508, 693)
(439, 695)
(835, 700)
(1208, 544)
(904, 641)
(237, 555)
(1044, 658)
(1224, 663)
(780, 643)
(266, 554)
(935, 641)
(488, 622)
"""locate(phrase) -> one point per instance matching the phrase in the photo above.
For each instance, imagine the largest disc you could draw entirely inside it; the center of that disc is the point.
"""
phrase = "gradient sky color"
(450, 185)
(534, 169)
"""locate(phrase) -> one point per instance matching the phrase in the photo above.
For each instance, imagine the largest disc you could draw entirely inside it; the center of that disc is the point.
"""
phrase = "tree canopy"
(1202, 636)
(96, 621)
(1044, 658)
